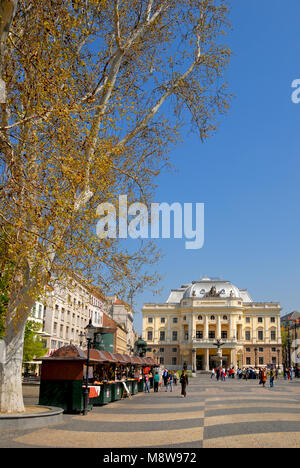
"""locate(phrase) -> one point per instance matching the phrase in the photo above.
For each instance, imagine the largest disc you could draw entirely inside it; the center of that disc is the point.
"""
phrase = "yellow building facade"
(185, 329)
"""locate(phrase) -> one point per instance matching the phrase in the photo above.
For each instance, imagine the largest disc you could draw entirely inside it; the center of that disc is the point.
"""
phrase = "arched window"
(212, 317)
(225, 317)
(273, 334)
(199, 317)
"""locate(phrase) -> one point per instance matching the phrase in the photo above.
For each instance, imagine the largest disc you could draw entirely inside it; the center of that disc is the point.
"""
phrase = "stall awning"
(136, 360)
(150, 361)
(109, 356)
(128, 358)
(121, 359)
(96, 356)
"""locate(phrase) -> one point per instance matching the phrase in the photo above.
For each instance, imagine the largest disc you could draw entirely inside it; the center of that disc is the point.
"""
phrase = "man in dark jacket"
(184, 382)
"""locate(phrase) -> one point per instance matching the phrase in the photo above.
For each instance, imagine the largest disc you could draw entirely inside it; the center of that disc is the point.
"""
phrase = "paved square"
(234, 413)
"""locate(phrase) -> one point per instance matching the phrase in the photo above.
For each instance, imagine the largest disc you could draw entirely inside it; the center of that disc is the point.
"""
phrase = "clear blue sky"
(248, 173)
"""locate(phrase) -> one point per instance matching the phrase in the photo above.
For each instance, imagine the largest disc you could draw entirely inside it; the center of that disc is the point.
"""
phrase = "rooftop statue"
(213, 292)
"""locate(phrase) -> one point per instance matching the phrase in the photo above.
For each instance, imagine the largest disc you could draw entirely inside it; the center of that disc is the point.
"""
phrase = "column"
(266, 331)
(205, 327)
(278, 331)
(254, 337)
(218, 327)
(169, 338)
(207, 359)
(194, 359)
(230, 327)
(190, 328)
(234, 328)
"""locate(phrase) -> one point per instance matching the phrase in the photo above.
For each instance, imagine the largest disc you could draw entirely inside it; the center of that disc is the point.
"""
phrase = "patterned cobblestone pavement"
(234, 413)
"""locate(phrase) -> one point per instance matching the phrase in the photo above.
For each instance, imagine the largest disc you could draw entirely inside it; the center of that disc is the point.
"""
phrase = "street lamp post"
(278, 353)
(219, 351)
(89, 337)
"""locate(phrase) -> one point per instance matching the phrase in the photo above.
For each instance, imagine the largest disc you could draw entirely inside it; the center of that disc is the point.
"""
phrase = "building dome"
(208, 287)
(217, 288)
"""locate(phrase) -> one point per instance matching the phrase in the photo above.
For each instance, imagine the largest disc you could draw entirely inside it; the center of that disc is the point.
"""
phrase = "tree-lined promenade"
(84, 88)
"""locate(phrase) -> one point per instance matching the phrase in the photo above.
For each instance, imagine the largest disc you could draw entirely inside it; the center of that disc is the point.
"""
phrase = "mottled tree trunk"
(11, 354)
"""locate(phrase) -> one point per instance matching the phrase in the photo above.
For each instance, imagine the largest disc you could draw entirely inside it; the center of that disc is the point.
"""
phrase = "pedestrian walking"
(263, 377)
(165, 377)
(292, 373)
(170, 382)
(156, 382)
(184, 382)
(272, 374)
(147, 384)
(218, 374)
(212, 373)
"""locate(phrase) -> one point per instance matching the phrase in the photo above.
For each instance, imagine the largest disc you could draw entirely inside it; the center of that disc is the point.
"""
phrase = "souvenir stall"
(62, 376)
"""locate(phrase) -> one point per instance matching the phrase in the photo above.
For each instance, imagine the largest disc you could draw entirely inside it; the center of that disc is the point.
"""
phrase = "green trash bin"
(66, 394)
(104, 397)
(129, 385)
(116, 391)
(141, 385)
(134, 385)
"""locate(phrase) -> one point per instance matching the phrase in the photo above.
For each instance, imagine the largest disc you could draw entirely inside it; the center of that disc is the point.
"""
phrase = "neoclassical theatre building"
(186, 327)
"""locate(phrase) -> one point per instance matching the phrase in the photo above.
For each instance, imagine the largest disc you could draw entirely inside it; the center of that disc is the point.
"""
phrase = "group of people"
(288, 373)
(167, 379)
(261, 374)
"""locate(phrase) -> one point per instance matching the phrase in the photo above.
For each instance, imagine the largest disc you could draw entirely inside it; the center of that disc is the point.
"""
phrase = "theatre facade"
(196, 316)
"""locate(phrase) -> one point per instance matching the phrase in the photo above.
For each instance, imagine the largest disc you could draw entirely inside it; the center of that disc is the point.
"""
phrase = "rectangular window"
(162, 336)
(54, 328)
(161, 360)
(162, 320)
(247, 336)
(56, 311)
(40, 311)
(273, 359)
(174, 361)
(149, 336)
(174, 350)
(272, 319)
(186, 335)
(260, 335)
(248, 350)
(248, 361)
(211, 334)
(199, 335)
(174, 336)
(261, 360)
(273, 350)
(224, 334)
(273, 335)
(150, 319)
(261, 350)
(259, 319)
(161, 350)
(247, 319)
(175, 320)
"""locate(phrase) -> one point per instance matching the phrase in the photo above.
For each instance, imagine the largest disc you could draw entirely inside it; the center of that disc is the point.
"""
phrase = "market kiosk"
(62, 376)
